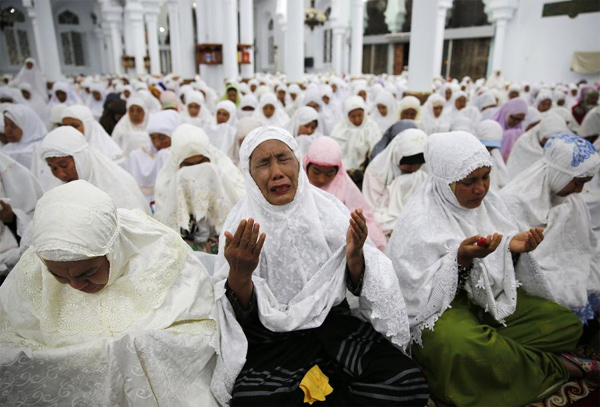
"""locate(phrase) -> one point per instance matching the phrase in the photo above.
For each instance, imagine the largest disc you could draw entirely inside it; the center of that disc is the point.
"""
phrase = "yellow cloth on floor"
(315, 385)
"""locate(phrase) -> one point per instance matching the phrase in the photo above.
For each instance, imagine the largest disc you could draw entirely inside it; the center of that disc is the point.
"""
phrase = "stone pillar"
(500, 12)
(134, 13)
(44, 34)
(174, 36)
(107, 43)
(151, 11)
(230, 39)
(440, 22)
(186, 37)
(422, 52)
(247, 34)
(294, 41)
(338, 28)
(112, 17)
(357, 37)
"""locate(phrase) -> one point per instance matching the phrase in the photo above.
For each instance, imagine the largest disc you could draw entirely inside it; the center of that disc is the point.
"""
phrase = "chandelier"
(314, 17)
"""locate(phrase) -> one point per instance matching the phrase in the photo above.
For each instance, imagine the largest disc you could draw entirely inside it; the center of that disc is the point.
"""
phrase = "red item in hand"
(481, 241)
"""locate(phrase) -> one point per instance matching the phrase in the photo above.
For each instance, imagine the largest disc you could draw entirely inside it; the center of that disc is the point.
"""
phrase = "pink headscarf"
(510, 134)
(326, 151)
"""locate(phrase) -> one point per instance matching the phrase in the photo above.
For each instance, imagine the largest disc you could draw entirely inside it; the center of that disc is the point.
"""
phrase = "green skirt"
(469, 359)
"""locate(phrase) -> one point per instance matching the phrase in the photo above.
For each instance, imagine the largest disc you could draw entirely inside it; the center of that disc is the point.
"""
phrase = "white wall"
(540, 49)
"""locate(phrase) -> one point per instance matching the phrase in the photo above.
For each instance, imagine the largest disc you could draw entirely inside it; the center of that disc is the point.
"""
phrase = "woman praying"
(195, 111)
(130, 132)
(510, 116)
(386, 113)
(270, 113)
(222, 132)
(489, 132)
(24, 131)
(304, 127)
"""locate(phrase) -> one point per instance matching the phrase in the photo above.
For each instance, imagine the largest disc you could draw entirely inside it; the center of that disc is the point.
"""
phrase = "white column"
(294, 41)
(41, 16)
(151, 18)
(357, 37)
(247, 34)
(110, 65)
(117, 46)
(230, 65)
(422, 53)
(338, 28)
(440, 22)
(99, 39)
(112, 17)
(201, 21)
(186, 36)
(135, 17)
(174, 36)
(395, 14)
(500, 12)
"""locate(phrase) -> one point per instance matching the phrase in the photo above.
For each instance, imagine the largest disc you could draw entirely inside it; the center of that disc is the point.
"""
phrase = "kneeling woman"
(105, 307)
(196, 188)
(492, 344)
(287, 332)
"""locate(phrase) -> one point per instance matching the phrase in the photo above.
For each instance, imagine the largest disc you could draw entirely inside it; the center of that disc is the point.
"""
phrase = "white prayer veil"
(33, 132)
(425, 241)
(301, 273)
(130, 136)
(222, 135)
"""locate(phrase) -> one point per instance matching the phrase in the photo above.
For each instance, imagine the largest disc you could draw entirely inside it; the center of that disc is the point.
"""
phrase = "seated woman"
(409, 108)
(529, 148)
(145, 162)
(248, 105)
(244, 127)
(221, 132)
(543, 101)
(588, 99)
(389, 135)
(489, 132)
(386, 112)
(19, 192)
(24, 131)
(304, 127)
(286, 328)
(481, 340)
(81, 118)
(435, 117)
(195, 111)
(71, 158)
(105, 307)
(546, 195)
(394, 176)
(487, 105)
(196, 188)
(510, 116)
(325, 170)
(130, 132)
(357, 134)
(270, 113)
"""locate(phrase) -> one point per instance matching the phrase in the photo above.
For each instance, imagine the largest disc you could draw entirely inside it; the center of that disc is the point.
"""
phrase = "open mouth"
(280, 189)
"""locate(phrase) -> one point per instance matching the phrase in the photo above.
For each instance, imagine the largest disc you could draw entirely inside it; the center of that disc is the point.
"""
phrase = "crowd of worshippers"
(335, 241)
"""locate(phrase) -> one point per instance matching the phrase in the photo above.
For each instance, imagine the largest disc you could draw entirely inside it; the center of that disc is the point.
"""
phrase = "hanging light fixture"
(314, 17)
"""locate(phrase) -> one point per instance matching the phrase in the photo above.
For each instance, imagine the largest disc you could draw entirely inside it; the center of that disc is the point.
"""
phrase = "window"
(71, 40)
(327, 39)
(12, 22)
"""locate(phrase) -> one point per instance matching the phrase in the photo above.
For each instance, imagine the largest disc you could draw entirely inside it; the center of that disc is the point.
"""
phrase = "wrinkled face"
(26, 94)
(321, 175)
(515, 119)
(513, 94)
(544, 105)
(75, 123)
(274, 169)
(408, 114)
(97, 96)
(437, 110)
(89, 276)
(314, 105)
(268, 110)
(326, 100)
(194, 109)
(383, 110)
(136, 114)
(409, 168)
(448, 94)
(574, 187)
(160, 140)
(471, 190)
(232, 95)
(356, 116)
(363, 95)
(308, 128)
(61, 96)
(63, 168)
(12, 131)
(194, 160)
(222, 116)
(460, 103)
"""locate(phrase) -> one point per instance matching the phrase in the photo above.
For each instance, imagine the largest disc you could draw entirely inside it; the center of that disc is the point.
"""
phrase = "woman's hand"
(242, 252)
(469, 249)
(355, 240)
(527, 241)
